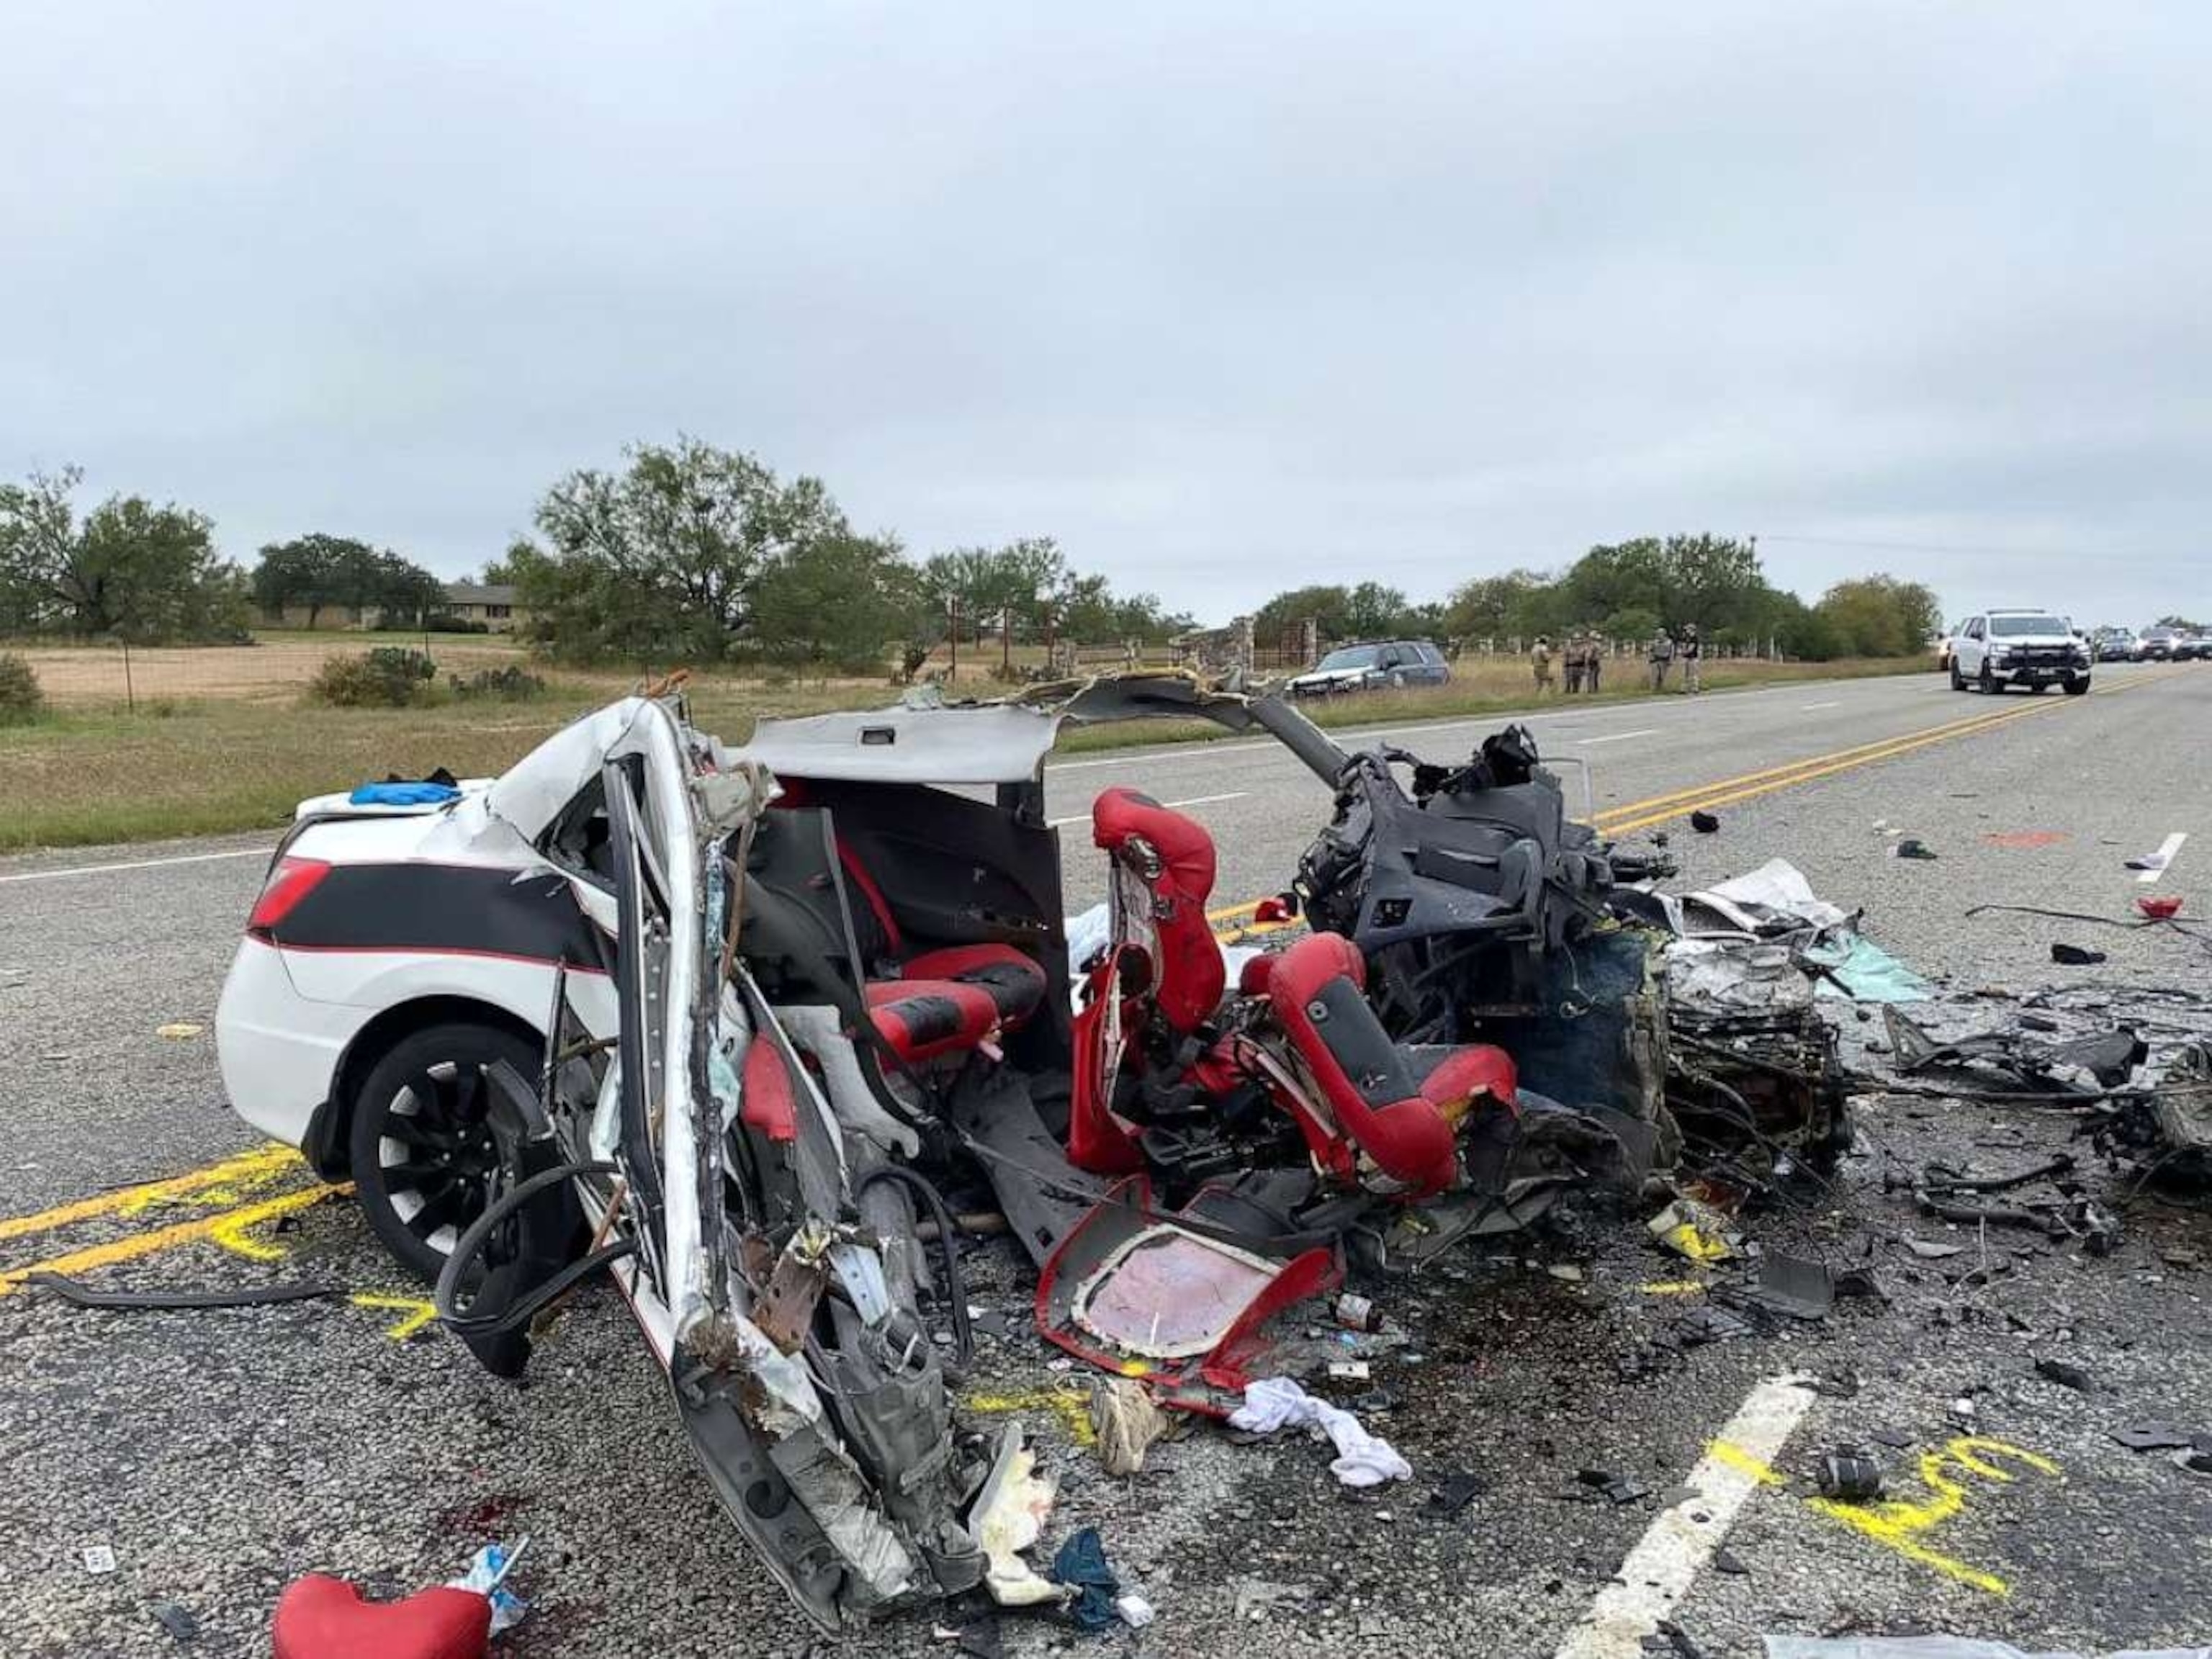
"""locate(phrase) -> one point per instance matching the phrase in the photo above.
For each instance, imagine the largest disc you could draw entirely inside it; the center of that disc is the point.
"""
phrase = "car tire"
(424, 1156)
(1957, 680)
(2078, 686)
(1987, 683)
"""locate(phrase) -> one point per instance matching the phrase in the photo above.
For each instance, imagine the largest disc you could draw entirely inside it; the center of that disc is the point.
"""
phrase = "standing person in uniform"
(1593, 660)
(1574, 657)
(1662, 656)
(1693, 653)
(1540, 660)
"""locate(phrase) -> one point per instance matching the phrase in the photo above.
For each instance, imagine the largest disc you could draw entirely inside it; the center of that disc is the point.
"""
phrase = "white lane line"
(1622, 737)
(1809, 708)
(1195, 801)
(2162, 859)
(135, 864)
(1667, 1559)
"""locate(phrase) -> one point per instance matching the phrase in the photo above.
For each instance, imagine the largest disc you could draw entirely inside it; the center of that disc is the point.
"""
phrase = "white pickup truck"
(2034, 648)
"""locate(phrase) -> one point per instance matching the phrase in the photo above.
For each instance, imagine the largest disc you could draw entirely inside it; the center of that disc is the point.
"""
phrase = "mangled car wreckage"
(791, 1003)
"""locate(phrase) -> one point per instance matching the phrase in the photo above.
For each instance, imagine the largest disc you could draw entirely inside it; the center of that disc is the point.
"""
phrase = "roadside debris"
(1693, 1230)
(1913, 847)
(1008, 1518)
(98, 1558)
(1080, 1568)
(1705, 823)
(1849, 1475)
(80, 1295)
(177, 1030)
(1126, 1421)
(1274, 1403)
(178, 1619)
(2066, 1374)
(322, 1617)
(2075, 955)
(1937, 1647)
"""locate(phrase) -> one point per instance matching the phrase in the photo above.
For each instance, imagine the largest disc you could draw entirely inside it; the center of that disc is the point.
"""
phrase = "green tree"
(839, 599)
(663, 558)
(1880, 616)
(988, 581)
(320, 572)
(129, 569)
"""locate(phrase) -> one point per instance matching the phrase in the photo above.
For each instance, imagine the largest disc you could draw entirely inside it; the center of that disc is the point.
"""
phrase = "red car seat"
(318, 1617)
(940, 1002)
(1401, 1106)
(1171, 858)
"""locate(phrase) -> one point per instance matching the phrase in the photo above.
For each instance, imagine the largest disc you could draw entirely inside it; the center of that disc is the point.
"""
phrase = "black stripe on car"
(445, 908)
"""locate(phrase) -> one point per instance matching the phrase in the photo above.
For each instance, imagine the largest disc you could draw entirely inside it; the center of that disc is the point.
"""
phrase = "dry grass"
(93, 677)
(227, 762)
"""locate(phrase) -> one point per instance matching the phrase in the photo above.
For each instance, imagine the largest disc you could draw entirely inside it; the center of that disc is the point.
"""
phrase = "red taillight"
(292, 880)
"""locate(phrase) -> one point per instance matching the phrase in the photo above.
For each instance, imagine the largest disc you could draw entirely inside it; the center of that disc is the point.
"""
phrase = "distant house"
(491, 604)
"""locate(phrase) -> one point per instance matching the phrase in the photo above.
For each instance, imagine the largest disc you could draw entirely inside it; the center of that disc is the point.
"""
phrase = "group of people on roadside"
(1583, 657)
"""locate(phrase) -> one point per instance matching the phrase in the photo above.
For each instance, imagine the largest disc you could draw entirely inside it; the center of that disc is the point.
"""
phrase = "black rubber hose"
(471, 1242)
(956, 1287)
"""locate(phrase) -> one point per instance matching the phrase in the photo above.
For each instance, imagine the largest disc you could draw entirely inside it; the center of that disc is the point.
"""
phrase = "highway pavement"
(219, 1454)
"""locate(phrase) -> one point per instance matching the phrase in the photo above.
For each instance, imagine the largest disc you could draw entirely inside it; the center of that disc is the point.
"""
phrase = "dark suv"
(1393, 662)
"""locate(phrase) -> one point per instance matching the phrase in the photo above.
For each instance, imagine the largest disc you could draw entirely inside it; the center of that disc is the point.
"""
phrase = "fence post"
(129, 692)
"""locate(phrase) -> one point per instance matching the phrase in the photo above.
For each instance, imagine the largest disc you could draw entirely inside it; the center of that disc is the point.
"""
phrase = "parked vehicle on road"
(1383, 664)
(2030, 648)
(1944, 646)
(2192, 647)
(2117, 645)
(2158, 643)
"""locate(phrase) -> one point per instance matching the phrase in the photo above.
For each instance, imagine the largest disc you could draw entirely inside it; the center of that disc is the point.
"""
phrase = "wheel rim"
(436, 1154)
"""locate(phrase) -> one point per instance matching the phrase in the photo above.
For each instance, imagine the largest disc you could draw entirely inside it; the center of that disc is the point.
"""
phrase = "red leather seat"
(319, 1617)
(1172, 858)
(1399, 1106)
(943, 1001)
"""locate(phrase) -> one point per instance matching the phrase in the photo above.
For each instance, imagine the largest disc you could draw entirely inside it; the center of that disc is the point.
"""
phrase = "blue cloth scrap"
(1081, 1564)
(403, 794)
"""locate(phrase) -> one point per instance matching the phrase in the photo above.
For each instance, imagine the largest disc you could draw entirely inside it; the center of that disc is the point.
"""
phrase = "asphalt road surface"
(220, 1454)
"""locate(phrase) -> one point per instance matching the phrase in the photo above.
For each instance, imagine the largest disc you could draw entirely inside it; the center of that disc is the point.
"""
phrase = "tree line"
(693, 553)
(1630, 591)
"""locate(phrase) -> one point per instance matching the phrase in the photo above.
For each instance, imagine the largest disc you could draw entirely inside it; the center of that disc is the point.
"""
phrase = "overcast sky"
(1224, 298)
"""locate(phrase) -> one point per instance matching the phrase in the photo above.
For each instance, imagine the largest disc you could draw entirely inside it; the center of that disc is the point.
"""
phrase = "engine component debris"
(1849, 1475)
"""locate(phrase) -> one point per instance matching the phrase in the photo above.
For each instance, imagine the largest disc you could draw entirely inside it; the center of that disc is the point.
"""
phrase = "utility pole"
(953, 616)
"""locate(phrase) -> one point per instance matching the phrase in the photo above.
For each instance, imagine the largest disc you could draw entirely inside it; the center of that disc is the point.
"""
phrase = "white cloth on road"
(1278, 1402)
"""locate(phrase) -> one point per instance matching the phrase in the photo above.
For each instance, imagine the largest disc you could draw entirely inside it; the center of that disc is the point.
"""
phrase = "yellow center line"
(224, 1229)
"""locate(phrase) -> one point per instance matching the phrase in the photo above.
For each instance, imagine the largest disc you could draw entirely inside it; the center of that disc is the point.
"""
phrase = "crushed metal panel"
(1168, 1294)
(910, 743)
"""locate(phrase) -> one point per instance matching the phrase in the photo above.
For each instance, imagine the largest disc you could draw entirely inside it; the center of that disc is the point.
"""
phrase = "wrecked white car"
(769, 1018)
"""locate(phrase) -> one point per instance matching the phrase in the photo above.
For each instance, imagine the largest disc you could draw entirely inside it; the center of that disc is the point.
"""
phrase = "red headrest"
(1186, 850)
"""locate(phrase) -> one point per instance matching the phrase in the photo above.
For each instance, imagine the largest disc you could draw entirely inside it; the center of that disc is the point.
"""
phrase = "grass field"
(212, 764)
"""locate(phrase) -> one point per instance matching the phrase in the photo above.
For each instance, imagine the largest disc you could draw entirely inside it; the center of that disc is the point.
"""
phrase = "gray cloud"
(1224, 298)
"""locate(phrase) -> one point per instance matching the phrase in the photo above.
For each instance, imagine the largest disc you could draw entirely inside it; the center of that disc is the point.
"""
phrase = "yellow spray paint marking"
(1073, 1413)
(415, 1313)
(224, 1183)
(1745, 1464)
(1899, 1525)
(1673, 1287)
(227, 1228)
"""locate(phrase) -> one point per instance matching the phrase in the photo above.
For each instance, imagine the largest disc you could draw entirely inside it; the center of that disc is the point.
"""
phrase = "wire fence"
(111, 674)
